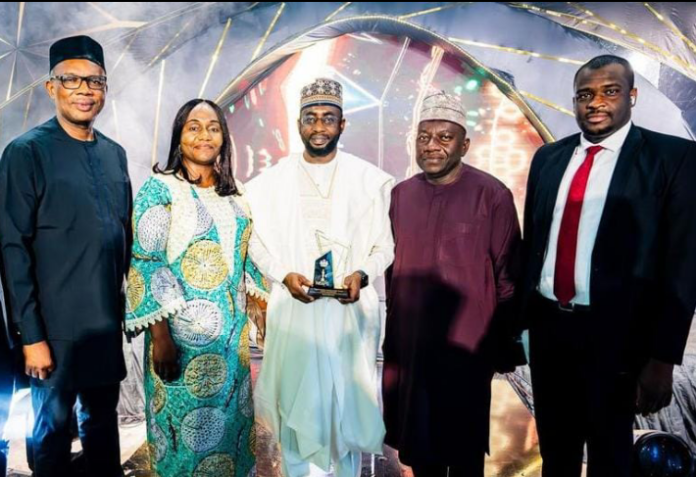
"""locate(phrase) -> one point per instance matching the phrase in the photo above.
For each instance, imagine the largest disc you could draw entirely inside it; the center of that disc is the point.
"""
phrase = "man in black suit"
(610, 279)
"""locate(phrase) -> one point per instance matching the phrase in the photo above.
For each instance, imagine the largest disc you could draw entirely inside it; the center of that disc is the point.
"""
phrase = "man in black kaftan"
(65, 202)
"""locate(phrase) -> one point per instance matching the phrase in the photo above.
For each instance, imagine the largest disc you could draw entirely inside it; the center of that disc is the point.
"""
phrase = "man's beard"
(322, 151)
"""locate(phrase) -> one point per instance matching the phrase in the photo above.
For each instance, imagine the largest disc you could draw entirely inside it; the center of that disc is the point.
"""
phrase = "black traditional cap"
(76, 48)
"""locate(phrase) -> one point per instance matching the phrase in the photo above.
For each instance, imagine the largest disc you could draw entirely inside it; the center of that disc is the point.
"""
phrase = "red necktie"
(564, 275)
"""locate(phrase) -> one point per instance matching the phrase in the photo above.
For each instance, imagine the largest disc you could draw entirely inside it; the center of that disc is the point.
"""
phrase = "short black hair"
(605, 60)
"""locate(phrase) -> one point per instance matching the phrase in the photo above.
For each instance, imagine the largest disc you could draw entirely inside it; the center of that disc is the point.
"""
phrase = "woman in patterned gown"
(187, 288)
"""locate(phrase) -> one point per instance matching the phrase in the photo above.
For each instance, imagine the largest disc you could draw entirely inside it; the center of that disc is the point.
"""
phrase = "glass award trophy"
(327, 272)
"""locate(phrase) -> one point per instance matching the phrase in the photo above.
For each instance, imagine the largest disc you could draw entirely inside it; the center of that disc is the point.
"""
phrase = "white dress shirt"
(590, 215)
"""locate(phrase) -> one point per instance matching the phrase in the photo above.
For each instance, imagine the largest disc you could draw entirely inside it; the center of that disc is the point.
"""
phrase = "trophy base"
(315, 292)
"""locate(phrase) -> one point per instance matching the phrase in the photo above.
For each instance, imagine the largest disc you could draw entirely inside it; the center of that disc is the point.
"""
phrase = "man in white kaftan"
(318, 390)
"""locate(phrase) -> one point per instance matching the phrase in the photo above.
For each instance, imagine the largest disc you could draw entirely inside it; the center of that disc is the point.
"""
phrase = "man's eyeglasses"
(75, 82)
(328, 121)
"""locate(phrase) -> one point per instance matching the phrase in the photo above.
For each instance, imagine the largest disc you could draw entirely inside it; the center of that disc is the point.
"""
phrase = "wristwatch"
(364, 279)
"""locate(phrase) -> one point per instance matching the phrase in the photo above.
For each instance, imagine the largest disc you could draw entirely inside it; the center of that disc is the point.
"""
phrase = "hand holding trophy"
(323, 286)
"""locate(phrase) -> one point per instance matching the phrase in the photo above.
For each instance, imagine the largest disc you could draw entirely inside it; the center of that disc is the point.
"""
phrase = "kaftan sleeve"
(257, 289)
(256, 284)
(19, 203)
(505, 253)
(505, 246)
(153, 292)
(382, 253)
(264, 262)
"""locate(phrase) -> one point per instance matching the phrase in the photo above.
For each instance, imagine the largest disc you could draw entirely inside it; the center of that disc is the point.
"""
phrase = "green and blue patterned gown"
(190, 266)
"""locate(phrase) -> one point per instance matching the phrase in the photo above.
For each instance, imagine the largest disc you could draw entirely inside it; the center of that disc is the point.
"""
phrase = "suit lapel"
(624, 166)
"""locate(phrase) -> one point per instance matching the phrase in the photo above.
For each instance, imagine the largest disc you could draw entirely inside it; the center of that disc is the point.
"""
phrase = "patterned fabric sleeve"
(257, 301)
(153, 291)
(257, 290)
(256, 284)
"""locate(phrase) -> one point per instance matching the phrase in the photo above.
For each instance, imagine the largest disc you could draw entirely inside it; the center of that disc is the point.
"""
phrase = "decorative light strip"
(20, 15)
(170, 43)
(432, 10)
(26, 110)
(548, 103)
(606, 24)
(115, 114)
(23, 90)
(517, 51)
(19, 22)
(153, 159)
(125, 50)
(337, 11)
(188, 10)
(268, 32)
(12, 72)
(633, 36)
(671, 26)
(214, 58)
(103, 12)
(385, 91)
